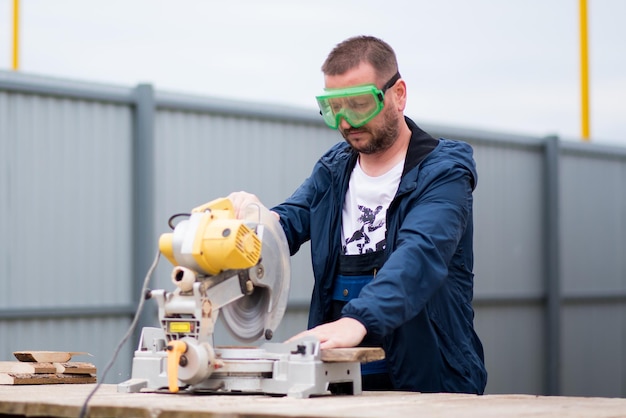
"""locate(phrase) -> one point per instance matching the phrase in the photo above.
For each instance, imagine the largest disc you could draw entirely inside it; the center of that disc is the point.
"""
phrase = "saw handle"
(175, 350)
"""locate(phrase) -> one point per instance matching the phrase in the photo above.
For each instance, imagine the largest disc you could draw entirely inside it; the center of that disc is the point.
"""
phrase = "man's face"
(379, 133)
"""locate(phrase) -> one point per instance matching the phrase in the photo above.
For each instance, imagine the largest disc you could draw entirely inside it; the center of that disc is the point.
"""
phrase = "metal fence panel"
(593, 205)
(508, 222)
(512, 334)
(593, 208)
(594, 341)
(65, 194)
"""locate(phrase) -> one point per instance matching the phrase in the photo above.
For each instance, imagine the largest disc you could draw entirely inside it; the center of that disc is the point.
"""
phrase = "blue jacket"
(419, 302)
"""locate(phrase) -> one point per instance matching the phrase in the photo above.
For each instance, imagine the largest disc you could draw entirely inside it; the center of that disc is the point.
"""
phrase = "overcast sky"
(504, 65)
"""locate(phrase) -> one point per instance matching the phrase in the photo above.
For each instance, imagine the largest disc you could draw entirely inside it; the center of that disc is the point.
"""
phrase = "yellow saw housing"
(212, 240)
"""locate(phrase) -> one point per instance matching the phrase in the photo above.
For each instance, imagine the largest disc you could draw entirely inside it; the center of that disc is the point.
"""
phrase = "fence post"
(552, 267)
(143, 239)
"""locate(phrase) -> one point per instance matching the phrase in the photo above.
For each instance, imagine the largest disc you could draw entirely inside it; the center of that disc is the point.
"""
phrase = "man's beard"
(382, 138)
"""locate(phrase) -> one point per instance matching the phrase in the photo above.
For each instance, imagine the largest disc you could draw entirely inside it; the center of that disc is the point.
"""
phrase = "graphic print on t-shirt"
(364, 213)
(366, 239)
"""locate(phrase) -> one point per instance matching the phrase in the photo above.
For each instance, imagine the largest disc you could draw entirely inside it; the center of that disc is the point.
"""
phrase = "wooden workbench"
(67, 400)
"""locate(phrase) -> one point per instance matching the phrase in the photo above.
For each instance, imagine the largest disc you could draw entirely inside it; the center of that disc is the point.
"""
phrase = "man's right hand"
(243, 201)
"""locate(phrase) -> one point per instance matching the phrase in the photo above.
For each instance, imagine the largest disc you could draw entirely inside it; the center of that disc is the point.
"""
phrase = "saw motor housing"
(212, 241)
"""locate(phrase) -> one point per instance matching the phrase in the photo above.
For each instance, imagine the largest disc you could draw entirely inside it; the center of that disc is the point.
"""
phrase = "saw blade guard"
(258, 315)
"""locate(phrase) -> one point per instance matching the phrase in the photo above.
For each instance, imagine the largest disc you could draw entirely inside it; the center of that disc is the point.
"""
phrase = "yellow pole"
(584, 71)
(16, 32)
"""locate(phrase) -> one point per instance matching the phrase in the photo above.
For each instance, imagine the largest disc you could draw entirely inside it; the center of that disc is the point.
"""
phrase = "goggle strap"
(391, 82)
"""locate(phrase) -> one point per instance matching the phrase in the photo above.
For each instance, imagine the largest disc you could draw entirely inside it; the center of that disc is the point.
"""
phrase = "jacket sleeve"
(434, 220)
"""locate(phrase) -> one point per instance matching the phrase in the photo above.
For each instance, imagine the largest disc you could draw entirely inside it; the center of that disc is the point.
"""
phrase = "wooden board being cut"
(336, 355)
(360, 354)
(46, 356)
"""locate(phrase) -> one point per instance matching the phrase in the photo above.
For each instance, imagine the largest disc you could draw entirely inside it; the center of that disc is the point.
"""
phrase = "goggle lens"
(356, 109)
(357, 105)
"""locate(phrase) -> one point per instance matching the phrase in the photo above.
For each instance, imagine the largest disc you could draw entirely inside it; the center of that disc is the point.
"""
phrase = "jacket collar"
(420, 145)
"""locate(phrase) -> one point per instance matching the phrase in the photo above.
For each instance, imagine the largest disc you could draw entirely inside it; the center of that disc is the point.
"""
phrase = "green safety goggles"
(357, 105)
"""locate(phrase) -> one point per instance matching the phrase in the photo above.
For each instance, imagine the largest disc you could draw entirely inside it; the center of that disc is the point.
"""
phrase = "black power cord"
(131, 329)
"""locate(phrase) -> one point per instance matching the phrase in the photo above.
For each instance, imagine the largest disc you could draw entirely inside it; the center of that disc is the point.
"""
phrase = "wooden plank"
(75, 367)
(67, 400)
(44, 378)
(360, 354)
(46, 356)
(72, 367)
(21, 367)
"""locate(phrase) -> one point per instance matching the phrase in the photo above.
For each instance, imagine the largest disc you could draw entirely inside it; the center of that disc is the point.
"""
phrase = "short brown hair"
(353, 51)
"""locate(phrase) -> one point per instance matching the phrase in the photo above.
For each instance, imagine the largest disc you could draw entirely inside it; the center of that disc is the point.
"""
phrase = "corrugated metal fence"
(91, 173)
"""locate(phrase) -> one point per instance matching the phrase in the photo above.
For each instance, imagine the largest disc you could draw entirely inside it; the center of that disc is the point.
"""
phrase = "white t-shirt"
(363, 225)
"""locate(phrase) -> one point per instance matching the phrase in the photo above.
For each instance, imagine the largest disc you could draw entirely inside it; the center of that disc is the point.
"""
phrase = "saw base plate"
(282, 369)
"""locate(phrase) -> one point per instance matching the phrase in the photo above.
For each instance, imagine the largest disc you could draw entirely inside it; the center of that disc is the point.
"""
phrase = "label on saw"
(179, 327)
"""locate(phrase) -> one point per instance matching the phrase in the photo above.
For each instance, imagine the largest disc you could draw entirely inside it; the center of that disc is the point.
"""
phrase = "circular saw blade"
(259, 314)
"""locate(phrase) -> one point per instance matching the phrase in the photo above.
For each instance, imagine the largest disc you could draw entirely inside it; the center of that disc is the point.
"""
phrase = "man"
(389, 216)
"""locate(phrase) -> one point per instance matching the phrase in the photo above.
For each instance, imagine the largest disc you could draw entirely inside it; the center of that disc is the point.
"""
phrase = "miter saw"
(239, 268)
